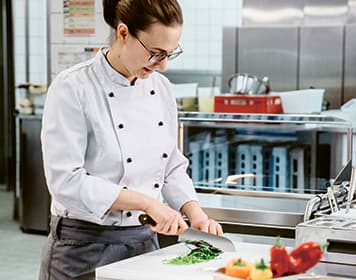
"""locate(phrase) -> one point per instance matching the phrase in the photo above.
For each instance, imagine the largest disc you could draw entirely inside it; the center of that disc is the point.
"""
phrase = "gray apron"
(75, 248)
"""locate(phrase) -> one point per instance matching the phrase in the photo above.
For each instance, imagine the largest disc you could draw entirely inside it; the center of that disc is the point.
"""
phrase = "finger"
(173, 228)
(182, 226)
(220, 231)
(215, 228)
(204, 227)
(166, 227)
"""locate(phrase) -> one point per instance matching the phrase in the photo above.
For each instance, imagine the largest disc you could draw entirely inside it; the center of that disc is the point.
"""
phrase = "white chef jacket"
(100, 134)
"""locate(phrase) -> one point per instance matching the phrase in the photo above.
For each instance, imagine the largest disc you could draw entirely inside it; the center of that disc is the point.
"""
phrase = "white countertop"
(151, 265)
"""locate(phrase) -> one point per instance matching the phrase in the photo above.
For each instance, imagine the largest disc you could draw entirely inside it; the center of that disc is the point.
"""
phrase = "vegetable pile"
(244, 270)
(282, 263)
(202, 252)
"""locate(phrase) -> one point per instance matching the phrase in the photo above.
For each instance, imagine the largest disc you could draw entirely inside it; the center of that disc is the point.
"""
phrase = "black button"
(88, 173)
(111, 94)
(152, 92)
(129, 160)
(125, 188)
(128, 214)
(121, 125)
(160, 123)
(156, 186)
(165, 155)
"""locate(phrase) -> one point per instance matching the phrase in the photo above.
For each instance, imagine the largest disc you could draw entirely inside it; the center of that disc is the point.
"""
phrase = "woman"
(109, 147)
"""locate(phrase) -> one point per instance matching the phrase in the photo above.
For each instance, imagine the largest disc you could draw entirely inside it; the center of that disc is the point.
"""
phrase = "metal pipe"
(352, 189)
(27, 40)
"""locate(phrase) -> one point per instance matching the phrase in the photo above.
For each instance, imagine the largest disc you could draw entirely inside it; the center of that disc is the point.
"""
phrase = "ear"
(122, 32)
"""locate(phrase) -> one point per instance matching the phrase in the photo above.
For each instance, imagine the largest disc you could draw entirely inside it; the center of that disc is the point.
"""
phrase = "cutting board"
(152, 266)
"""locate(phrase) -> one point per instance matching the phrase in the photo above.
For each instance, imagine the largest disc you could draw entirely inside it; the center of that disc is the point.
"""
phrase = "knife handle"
(146, 219)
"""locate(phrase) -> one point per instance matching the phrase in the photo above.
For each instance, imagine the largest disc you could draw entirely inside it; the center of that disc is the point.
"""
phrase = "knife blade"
(220, 242)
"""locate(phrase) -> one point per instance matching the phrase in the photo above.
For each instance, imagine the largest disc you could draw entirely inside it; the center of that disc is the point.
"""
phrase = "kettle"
(248, 84)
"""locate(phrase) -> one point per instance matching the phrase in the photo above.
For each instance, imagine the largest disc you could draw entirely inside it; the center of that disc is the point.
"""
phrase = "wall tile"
(206, 19)
(201, 38)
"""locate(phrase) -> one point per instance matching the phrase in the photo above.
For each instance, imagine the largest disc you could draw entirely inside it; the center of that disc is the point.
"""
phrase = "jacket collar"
(109, 78)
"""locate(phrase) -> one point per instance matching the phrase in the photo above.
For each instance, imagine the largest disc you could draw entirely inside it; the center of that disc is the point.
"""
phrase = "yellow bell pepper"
(260, 271)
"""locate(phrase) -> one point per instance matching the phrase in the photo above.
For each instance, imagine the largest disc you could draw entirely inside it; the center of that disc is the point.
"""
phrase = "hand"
(199, 220)
(208, 225)
(169, 221)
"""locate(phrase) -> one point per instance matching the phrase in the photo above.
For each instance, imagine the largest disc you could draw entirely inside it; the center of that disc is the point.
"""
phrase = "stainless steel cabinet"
(34, 197)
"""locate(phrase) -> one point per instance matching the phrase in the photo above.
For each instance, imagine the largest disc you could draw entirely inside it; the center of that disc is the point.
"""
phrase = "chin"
(144, 74)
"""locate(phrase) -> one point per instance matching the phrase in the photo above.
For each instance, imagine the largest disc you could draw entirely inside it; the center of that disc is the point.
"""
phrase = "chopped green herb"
(202, 253)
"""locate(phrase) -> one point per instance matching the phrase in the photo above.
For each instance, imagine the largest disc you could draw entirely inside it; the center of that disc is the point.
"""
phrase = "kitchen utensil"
(352, 189)
(248, 84)
(334, 207)
(220, 242)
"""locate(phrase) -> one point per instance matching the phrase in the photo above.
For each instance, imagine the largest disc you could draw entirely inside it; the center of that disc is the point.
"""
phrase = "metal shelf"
(287, 120)
(250, 209)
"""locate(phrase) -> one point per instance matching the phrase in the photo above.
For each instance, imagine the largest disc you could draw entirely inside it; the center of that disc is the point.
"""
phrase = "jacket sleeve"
(178, 188)
(64, 141)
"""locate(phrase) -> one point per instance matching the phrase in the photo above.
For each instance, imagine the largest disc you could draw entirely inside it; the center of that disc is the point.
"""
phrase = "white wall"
(201, 39)
(202, 32)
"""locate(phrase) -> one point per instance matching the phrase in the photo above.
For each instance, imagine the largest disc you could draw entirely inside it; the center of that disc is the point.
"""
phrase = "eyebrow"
(162, 50)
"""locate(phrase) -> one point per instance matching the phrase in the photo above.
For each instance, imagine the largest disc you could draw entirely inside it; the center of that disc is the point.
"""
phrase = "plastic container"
(306, 101)
(260, 104)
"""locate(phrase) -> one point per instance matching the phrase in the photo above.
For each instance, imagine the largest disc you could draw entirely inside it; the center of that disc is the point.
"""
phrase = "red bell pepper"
(279, 259)
(305, 256)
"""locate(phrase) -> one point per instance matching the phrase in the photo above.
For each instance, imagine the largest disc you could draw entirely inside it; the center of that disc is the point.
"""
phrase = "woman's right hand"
(169, 221)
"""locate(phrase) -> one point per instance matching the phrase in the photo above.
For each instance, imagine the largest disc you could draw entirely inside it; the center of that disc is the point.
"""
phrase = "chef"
(109, 143)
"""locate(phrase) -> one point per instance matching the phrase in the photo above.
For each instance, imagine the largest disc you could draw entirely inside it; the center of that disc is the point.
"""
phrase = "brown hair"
(138, 15)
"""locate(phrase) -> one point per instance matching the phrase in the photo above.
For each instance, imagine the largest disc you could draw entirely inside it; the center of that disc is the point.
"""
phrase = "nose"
(162, 65)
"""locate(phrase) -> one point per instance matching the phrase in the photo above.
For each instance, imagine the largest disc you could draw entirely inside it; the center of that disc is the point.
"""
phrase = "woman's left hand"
(199, 220)
(208, 225)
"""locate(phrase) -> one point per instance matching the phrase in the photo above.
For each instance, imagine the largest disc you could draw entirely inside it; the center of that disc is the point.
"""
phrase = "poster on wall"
(79, 17)
(69, 56)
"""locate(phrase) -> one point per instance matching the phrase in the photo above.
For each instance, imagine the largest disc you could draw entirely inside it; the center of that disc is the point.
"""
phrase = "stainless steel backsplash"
(297, 44)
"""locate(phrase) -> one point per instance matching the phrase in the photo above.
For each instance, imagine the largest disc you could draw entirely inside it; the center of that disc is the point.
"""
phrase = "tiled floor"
(19, 252)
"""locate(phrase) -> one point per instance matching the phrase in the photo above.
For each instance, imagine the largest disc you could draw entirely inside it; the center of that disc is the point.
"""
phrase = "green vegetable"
(202, 252)
(240, 263)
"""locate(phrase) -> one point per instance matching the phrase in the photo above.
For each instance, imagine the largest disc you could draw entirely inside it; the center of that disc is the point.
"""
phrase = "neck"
(113, 58)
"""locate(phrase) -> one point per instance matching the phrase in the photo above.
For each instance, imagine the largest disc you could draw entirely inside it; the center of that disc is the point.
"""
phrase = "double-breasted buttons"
(129, 160)
(128, 214)
(111, 94)
(121, 126)
(156, 186)
(165, 155)
(160, 123)
(152, 92)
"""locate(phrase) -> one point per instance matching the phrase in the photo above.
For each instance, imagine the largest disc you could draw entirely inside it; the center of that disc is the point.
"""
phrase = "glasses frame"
(160, 56)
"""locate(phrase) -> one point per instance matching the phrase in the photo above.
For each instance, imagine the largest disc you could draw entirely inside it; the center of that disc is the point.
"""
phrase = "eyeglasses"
(159, 56)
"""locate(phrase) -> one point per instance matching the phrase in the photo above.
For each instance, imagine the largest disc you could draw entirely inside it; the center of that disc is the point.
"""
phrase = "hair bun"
(109, 11)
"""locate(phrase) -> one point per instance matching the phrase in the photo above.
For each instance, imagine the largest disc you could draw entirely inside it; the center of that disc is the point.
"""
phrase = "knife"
(191, 234)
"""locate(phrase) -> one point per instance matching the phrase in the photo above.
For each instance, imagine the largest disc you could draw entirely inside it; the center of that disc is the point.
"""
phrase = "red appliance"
(263, 104)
